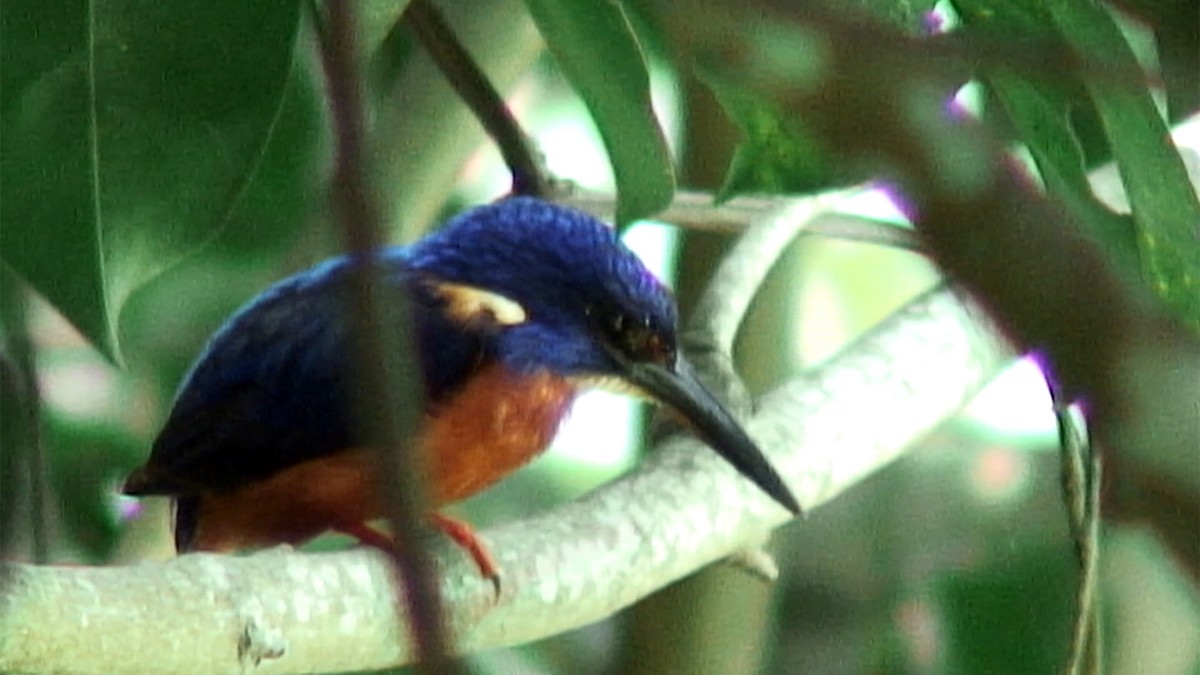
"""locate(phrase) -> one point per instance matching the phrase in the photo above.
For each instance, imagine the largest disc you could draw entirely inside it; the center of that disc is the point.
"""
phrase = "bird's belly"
(499, 421)
(291, 506)
(495, 424)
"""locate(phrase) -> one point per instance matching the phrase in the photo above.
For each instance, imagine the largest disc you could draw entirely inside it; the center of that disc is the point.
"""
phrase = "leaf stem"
(525, 162)
(1080, 474)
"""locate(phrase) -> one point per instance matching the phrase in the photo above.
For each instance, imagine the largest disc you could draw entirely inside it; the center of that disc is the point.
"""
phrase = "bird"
(516, 307)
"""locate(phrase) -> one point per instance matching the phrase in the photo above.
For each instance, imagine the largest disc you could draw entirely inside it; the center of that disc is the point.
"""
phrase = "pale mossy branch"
(722, 308)
(697, 211)
(683, 508)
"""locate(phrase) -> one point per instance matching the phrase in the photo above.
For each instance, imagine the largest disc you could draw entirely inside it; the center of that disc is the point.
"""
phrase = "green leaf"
(130, 130)
(1041, 111)
(1161, 242)
(1042, 117)
(1165, 207)
(599, 53)
(258, 245)
(778, 156)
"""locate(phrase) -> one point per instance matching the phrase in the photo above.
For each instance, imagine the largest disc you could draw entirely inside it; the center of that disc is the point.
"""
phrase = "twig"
(529, 174)
(696, 210)
(720, 311)
(388, 400)
(1080, 491)
(1089, 596)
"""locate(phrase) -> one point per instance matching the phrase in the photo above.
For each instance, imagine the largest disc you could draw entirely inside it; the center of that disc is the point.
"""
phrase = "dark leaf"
(130, 129)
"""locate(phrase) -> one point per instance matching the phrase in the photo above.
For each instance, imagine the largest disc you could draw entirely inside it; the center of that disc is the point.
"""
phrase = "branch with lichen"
(683, 508)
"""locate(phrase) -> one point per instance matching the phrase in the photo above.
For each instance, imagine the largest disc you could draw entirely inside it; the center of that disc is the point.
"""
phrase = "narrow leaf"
(1040, 109)
(597, 50)
(1165, 207)
(1161, 242)
(1041, 115)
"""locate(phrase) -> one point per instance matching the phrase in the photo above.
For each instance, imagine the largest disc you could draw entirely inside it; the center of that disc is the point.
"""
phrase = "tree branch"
(683, 508)
(718, 316)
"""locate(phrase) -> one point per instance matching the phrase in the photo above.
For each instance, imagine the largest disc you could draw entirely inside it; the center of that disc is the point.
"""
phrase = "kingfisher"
(516, 307)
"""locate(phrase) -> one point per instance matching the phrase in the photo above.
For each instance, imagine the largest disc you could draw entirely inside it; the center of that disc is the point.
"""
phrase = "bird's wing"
(270, 390)
(267, 393)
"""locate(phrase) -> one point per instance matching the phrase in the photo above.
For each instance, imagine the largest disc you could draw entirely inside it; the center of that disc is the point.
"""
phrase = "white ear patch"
(472, 305)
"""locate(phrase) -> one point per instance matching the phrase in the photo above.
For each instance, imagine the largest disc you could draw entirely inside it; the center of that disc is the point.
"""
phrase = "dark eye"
(643, 344)
(635, 338)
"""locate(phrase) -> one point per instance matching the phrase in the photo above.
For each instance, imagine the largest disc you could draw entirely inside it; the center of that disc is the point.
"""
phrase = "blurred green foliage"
(1014, 618)
(779, 156)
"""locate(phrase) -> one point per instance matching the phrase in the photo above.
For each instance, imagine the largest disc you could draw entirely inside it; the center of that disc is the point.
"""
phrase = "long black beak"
(678, 388)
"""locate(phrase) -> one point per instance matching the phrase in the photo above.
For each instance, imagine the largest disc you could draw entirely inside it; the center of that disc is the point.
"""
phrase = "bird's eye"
(643, 344)
(634, 338)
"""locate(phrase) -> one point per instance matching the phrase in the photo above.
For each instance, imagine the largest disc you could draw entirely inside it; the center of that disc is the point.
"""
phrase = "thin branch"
(1080, 490)
(680, 510)
(715, 321)
(696, 211)
(719, 314)
(1089, 584)
(421, 131)
(529, 173)
(387, 399)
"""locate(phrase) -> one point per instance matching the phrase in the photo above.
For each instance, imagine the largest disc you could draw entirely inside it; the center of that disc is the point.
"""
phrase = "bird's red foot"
(464, 535)
(459, 532)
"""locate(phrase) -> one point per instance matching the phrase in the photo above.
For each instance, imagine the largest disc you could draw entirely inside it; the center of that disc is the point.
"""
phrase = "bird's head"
(553, 289)
(555, 286)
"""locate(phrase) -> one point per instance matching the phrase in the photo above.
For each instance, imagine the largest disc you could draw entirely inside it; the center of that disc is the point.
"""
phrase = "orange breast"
(498, 422)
